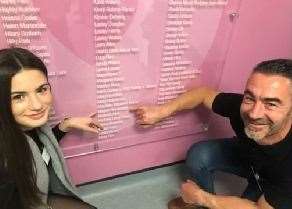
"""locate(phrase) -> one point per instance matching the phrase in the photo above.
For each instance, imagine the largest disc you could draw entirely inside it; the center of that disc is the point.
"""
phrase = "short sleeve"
(226, 104)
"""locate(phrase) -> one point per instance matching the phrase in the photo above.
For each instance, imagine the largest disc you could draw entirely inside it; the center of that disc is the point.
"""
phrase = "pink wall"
(263, 30)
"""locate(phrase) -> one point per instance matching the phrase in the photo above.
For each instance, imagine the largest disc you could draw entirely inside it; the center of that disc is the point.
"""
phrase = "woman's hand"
(81, 123)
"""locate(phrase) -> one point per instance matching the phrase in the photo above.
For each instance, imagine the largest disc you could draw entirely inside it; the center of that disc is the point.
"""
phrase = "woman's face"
(31, 98)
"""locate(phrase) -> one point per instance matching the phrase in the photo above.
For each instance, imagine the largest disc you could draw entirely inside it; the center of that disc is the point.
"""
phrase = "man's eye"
(247, 99)
(271, 105)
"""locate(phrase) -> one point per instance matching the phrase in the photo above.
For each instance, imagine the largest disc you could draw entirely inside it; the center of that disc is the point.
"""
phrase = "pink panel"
(107, 56)
(263, 31)
(120, 161)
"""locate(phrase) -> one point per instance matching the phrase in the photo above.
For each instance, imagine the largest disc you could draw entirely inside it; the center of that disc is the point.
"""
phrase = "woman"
(32, 168)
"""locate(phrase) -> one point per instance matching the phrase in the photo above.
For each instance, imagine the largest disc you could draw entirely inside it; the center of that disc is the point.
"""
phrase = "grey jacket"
(57, 178)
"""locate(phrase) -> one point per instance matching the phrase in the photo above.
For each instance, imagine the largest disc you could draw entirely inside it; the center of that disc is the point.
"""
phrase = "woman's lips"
(37, 116)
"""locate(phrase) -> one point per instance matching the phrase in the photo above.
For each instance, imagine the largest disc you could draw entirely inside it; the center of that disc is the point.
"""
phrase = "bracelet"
(64, 120)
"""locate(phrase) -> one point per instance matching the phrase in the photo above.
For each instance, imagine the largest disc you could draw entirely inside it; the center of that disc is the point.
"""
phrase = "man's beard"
(267, 129)
(256, 135)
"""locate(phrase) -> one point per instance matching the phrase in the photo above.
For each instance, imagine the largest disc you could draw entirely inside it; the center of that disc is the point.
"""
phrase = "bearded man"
(261, 151)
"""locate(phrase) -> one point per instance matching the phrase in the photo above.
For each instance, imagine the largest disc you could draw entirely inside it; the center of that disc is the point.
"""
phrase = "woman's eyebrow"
(23, 92)
(18, 92)
(45, 84)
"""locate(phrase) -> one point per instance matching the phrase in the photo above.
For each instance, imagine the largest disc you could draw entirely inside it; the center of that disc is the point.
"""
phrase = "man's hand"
(81, 123)
(148, 115)
(192, 193)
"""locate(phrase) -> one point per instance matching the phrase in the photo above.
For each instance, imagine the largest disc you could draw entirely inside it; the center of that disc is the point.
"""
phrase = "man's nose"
(256, 111)
(35, 103)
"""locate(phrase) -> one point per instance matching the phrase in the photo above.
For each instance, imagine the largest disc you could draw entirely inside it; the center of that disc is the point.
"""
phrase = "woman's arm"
(79, 123)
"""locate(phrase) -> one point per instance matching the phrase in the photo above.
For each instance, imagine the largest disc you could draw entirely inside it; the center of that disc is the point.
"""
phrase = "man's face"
(31, 98)
(266, 107)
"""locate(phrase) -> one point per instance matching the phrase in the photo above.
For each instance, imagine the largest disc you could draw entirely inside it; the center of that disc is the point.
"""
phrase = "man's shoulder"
(231, 95)
(227, 103)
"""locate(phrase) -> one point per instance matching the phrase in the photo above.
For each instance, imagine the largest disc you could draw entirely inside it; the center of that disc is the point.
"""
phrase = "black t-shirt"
(273, 163)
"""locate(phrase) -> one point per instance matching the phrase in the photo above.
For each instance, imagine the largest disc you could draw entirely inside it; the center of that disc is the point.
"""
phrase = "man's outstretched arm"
(151, 114)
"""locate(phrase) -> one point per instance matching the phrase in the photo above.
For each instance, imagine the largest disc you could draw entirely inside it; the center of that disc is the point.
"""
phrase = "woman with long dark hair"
(32, 169)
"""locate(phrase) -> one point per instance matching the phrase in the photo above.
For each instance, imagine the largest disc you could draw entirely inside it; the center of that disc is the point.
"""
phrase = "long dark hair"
(16, 159)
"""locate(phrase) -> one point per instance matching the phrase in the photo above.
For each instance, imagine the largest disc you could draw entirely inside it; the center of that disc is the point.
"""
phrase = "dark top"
(273, 163)
(57, 132)
(9, 196)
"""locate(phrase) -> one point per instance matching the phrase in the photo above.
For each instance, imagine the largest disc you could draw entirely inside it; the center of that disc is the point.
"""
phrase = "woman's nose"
(35, 103)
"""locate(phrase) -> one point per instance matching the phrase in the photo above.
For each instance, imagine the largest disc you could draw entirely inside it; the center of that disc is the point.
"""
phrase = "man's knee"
(200, 155)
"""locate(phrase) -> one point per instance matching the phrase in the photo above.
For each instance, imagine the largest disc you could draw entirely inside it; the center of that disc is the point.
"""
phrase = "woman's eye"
(18, 97)
(43, 89)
